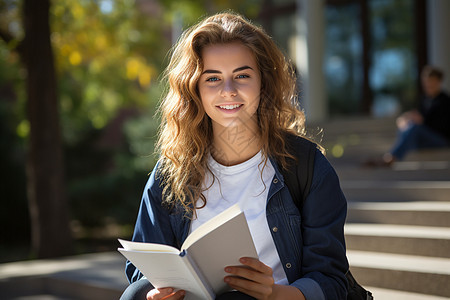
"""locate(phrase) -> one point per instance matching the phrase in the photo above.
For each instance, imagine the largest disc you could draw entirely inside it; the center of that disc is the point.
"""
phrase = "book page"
(138, 246)
(168, 269)
(221, 247)
(215, 222)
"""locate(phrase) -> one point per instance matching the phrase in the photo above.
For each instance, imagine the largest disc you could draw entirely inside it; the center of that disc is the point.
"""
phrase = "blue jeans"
(139, 289)
(417, 137)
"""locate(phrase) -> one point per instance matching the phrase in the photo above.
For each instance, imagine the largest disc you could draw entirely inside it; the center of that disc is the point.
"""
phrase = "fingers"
(178, 295)
(254, 278)
(255, 270)
(165, 294)
(256, 290)
(248, 278)
(256, 264)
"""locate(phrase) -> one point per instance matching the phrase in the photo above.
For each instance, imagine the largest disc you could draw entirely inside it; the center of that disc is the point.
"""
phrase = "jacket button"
(275, 180)
(288, 265)
(275, 229)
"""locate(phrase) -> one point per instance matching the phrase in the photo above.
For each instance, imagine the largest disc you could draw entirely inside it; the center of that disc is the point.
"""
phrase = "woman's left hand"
(254, 278)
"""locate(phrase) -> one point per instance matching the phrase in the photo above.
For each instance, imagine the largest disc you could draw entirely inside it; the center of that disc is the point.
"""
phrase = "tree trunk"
(50, 233)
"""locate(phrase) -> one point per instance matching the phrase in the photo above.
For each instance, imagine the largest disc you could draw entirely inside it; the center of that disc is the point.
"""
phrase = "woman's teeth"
(230, 106)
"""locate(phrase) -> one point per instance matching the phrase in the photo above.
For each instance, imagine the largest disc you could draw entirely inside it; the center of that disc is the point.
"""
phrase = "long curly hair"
(186, 131)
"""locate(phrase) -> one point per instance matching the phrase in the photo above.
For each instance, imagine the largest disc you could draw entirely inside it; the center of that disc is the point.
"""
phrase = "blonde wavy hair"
(186, 131)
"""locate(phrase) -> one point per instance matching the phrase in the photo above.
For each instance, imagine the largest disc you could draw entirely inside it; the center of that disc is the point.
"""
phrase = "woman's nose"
(229, 89)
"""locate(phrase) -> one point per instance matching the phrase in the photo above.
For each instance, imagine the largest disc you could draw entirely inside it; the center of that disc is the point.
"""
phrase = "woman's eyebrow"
(234, 71)
(242, 68)
(211, 72)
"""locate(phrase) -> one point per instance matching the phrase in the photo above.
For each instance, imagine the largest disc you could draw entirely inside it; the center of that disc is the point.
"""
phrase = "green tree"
(99, 64)
(50, 234)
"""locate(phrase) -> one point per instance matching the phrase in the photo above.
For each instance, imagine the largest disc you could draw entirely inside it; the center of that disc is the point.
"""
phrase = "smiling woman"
(187, 136)
(229, 117)
(230, 91)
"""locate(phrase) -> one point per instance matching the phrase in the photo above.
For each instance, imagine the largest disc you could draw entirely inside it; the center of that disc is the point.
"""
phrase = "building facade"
(360, 57)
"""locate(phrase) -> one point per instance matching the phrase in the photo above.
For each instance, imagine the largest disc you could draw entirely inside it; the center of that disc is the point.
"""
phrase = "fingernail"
(243, 260)
(227, 269)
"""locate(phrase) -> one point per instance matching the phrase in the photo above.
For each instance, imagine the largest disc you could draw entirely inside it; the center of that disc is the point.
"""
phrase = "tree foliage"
(109, 55)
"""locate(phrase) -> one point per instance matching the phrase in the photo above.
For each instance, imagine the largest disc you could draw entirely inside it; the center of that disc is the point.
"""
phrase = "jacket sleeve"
(153, 222)
(324, 261)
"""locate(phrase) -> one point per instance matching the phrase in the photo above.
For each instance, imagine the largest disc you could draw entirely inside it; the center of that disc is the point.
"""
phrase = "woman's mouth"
(230, 106)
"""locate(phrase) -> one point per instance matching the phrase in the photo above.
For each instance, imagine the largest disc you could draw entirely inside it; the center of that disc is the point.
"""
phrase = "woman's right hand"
(165, 294)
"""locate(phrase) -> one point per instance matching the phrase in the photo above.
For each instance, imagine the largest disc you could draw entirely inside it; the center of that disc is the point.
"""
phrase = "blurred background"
(80, 82)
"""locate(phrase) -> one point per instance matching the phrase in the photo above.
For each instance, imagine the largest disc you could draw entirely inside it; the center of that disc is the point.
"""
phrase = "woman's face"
(230, 85)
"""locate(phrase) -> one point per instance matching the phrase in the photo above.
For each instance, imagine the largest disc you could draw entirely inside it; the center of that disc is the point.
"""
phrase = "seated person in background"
(428, 126)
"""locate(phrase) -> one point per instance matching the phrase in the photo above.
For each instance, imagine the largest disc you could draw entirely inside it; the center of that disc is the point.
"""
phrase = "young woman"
(228, 110)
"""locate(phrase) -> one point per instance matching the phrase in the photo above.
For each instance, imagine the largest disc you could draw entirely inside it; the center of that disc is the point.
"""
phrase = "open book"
(199, 267)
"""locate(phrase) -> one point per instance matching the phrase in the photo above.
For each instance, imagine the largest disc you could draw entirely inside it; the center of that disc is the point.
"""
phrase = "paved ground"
(89, 276)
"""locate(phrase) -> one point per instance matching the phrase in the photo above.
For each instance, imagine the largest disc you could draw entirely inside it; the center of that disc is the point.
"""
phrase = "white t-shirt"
(243, 184)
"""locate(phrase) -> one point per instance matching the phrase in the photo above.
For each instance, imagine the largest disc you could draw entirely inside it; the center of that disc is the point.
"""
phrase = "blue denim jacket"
(310, 245)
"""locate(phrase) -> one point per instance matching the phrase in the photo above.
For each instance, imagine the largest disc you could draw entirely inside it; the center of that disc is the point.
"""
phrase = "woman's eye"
(212, 79)
(242, 76)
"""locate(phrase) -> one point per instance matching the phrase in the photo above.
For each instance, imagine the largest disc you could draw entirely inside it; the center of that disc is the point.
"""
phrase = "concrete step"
(359, 140)
(356, 155)
(356, 125)
(355, 135)
(394, 191)
(40, 297)
(397, 229)
(405, 171)
(53, 287)
(442, 154)
(84, 277)
(425, 213)
(386, 294)
(401, 239)
(357, 152)
(416, 274)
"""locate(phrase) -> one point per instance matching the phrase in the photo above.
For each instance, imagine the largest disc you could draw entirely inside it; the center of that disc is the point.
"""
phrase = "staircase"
(398, 224)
